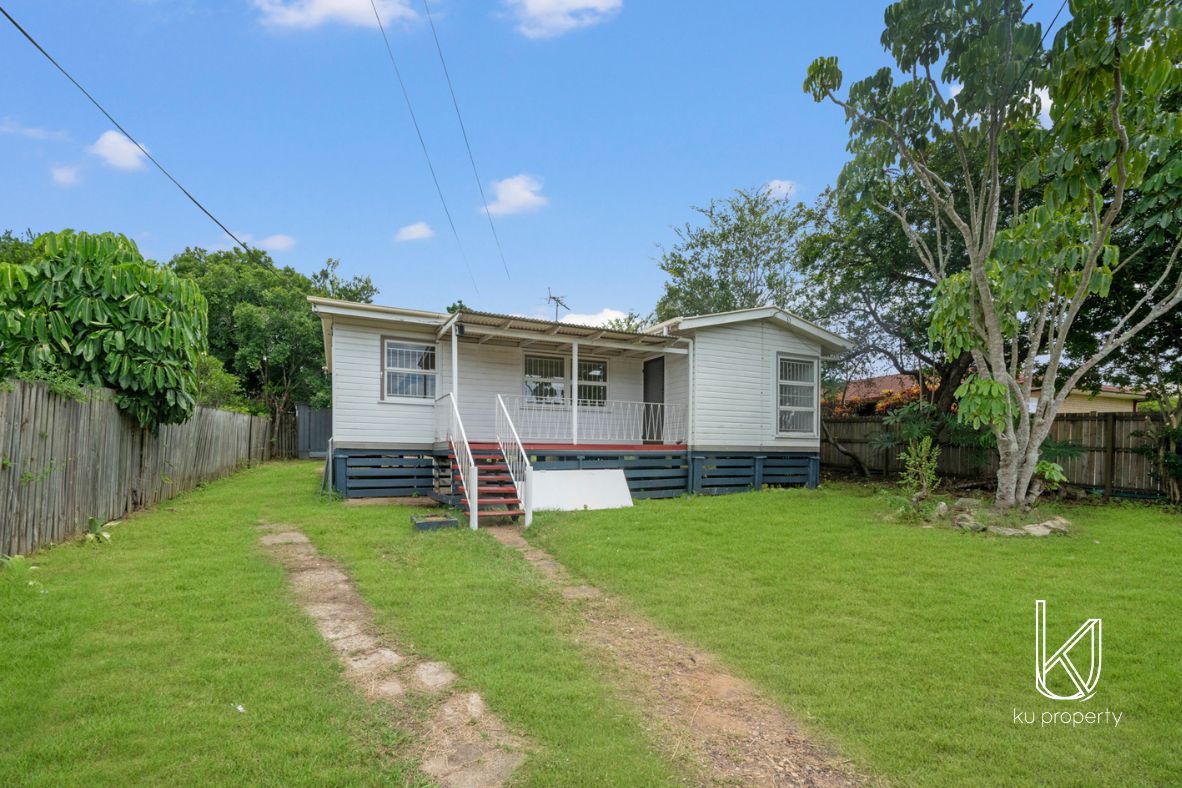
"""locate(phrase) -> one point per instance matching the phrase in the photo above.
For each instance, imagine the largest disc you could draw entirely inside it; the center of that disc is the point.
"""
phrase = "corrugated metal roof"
(558, 329)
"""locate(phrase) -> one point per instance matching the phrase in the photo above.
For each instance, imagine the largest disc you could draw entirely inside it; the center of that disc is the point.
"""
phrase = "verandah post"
(574, 394)
(455, 364)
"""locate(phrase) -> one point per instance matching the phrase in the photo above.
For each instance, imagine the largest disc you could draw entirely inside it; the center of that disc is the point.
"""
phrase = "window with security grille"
(545, 379)
(796, 406)
(409, 370)
(593, 383)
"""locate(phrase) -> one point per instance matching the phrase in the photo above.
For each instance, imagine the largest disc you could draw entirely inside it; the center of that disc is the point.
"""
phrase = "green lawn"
(911, 648)
(126, 662)
(906, 648)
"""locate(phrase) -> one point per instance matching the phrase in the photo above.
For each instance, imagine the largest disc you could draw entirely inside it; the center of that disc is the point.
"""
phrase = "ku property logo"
(1064, 659)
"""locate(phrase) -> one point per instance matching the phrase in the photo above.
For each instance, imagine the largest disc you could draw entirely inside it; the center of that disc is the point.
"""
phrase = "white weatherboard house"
(525, 412)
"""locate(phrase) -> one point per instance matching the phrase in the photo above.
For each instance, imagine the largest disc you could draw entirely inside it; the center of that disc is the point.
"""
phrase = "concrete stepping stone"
(380, 660)
(286, 537)
(433, 676)
(465, 745)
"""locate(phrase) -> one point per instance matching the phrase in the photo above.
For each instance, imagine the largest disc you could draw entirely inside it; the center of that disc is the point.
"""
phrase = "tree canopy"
(738, 258)
(90, 307)
(1028, 269)
(260, 325)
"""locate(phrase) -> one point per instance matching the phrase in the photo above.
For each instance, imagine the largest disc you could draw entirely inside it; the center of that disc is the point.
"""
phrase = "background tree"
(1029, 273)
(633, 321)
(858, 275)
(16, 249)
(738, 258)
(328, 283)
(217, 388)
(260, 325)
(91, 308)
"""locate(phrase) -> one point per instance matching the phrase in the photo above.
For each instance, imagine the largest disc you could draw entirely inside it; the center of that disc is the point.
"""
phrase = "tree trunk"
(1007, 477)
(950, 378)
(861, 466)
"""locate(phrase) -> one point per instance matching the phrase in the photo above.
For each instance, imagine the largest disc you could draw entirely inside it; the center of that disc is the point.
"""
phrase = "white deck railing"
(611, 421)
(515, 458)
(458, 440)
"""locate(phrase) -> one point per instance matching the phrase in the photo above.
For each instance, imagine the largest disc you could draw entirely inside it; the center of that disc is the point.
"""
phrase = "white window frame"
(606, 383)
(530, 401)
(385, 368)
(816, 406)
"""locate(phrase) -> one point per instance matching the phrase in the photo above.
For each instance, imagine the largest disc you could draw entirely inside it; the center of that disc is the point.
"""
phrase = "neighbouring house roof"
(882, 386)
(830, 343)
(873, 389)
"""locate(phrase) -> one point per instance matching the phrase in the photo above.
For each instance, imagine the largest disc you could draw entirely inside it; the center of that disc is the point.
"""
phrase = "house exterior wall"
(361, 418)
(734, 387)
(1082, 403)
(677, 380)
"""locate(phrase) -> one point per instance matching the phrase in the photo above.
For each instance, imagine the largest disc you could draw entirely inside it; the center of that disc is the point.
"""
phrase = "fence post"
(1109, 453)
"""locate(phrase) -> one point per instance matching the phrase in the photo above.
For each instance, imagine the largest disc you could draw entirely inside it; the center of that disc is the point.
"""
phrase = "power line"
(463, 130)
(119, 126)
(414, 120)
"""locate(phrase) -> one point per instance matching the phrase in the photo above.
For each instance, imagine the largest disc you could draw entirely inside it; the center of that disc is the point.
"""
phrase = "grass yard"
(126, 662)
(906, 648)
(911, 648)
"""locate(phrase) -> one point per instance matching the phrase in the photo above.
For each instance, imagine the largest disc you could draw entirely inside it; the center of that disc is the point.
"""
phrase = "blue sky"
(596, 124)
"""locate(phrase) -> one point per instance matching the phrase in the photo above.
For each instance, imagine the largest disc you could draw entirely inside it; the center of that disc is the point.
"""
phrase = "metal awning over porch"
(515, 330)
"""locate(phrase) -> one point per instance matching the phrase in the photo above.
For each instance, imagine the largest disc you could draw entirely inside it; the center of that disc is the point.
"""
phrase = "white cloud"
(118, 151)
(414, 232)
(596, 319)
(10, 126)
(64, 174)
(549, 18)
(779, 189)
(277, 243)
(307, 14)
(516, 195)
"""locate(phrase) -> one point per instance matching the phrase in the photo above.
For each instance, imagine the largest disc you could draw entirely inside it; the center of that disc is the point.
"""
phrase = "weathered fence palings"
(63, 462)
(1109, 460)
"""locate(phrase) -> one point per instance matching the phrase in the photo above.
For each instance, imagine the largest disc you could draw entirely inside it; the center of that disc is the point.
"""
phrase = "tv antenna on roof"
(558, 301)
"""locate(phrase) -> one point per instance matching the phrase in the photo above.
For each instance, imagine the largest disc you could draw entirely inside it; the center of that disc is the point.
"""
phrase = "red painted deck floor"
(589, 447)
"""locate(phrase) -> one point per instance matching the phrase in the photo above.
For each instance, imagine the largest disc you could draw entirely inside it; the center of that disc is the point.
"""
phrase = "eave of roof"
(829, 341)
(509, 327)
(558, 329)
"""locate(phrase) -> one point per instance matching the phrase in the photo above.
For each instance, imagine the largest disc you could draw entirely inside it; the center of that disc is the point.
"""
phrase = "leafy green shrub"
(919, 477)
(89, 307)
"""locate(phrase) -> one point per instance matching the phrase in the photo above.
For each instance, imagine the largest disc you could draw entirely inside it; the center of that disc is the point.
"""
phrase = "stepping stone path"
(463, 744)
(714, 724)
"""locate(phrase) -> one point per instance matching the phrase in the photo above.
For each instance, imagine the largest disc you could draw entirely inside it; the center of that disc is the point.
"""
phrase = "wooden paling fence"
(1108, 461)
(63, 462)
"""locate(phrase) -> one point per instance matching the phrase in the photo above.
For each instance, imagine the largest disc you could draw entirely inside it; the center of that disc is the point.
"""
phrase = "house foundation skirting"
(426, 471)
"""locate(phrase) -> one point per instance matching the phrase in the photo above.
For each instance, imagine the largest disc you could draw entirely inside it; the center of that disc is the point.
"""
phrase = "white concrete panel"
(575, 490)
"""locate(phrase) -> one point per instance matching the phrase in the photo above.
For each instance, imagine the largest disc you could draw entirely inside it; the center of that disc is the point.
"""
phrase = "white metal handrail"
(516, 459)
(602, 421)
(458, 440)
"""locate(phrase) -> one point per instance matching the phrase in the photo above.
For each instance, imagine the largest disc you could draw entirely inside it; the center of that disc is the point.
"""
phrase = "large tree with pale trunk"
(973, 77)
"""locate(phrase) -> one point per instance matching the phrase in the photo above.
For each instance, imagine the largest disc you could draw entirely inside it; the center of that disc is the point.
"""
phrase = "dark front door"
(654, 400)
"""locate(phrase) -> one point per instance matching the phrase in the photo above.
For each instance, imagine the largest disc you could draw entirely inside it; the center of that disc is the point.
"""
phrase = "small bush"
(919, 477)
